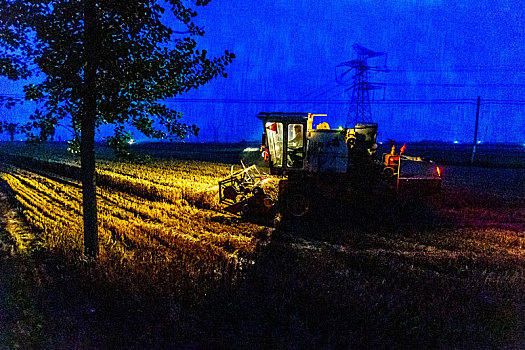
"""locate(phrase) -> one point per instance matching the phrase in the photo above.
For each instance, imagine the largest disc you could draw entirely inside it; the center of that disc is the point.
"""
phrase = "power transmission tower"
(360, 111)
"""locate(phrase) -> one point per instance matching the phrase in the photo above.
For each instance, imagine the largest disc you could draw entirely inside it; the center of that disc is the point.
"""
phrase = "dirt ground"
(509, 183)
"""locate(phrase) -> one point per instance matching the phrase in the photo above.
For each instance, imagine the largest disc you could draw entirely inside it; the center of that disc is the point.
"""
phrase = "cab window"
(295, 146)
(275, 142)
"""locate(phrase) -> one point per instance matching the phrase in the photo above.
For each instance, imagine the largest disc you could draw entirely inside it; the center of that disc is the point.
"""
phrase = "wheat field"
(157, 213)
(177, 271)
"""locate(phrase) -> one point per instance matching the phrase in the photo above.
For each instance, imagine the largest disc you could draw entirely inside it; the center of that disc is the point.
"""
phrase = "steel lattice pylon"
(360, 111)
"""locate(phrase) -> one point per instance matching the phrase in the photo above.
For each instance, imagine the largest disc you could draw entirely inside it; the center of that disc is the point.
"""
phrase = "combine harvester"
(322, 167)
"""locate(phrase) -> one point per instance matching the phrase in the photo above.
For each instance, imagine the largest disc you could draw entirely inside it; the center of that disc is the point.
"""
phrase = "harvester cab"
(294, 146)
(285, 141)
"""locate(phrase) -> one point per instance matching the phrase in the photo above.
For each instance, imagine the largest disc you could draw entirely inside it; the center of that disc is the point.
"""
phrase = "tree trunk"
(87, 136)
(11, 129)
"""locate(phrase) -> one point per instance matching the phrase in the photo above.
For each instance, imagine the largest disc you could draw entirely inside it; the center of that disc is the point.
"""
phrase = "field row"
(141, 217)
(194, 182)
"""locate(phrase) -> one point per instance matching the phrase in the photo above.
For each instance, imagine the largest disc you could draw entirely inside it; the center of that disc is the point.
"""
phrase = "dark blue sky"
(439, 52)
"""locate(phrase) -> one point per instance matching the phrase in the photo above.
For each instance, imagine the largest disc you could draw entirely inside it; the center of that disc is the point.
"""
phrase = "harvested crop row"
(177, 190)
(185, 219)
(139, 226)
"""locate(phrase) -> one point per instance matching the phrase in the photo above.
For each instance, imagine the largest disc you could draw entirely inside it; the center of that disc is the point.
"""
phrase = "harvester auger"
(319, 168)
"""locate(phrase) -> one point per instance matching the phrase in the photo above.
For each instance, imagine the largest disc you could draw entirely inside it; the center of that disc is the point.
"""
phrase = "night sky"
(441, 56)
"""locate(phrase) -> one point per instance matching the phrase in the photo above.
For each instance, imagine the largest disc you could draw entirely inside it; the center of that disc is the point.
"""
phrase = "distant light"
(381, 143)
(479, 142)
(438, 171)
(131, 141)
(456, 141)
(250, 149)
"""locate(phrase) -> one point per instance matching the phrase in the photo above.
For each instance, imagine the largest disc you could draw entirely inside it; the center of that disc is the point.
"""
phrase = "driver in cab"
(295, 146)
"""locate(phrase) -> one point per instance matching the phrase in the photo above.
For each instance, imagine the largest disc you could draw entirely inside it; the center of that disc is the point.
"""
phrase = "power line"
(456, 85)
(318, 89)
(335, 102)
(345, 101)
(469, 69)
(6, 94)
(324, 93)
(465, 70)
(504, 102)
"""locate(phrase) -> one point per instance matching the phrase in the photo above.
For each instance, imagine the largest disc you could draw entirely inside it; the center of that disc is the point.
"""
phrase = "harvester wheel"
(268, 201)
(298, 205)
(258, 191)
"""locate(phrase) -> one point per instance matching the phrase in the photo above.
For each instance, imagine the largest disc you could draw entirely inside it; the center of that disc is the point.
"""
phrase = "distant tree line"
(11, 128)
